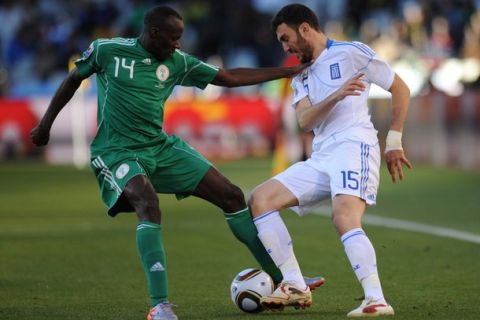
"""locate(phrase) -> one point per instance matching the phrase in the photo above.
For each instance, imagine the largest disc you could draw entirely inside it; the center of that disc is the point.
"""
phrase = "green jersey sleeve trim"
(197, 72)
(87, 64)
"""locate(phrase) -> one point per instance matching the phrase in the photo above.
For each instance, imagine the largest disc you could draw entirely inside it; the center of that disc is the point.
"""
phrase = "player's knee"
(147, 207)
(258, 203)
(143, 199)
(148, 210)
(337, 219)
(233, 199)
(344, 221)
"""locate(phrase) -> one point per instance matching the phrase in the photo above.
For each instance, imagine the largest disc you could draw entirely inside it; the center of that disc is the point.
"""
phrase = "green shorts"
(173, 167)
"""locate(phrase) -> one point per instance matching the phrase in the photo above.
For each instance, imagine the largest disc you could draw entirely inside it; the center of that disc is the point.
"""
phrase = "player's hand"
(353, 87)
(300, 67)
(395, 161)
(40, 135)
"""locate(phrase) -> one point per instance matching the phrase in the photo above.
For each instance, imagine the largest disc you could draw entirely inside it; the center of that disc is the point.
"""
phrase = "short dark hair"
(159, 15)
(294, 15)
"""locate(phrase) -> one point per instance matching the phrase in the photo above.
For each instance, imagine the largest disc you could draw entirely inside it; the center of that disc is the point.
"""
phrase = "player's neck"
(146, 44)
(319, 44)
(143, 41)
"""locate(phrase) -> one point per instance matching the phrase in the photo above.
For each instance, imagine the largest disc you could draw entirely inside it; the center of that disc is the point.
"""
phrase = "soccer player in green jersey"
(132, 157)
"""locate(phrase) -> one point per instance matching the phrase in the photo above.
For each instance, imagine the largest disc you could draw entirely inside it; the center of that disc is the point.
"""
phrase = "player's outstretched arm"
(309, 116)
(394, 155)
(249, 76)
(41, 133)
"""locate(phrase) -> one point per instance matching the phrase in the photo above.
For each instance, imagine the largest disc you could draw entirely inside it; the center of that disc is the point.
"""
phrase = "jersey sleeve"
(197, 73)
(366, 61)
(88, 63)
(300, 87)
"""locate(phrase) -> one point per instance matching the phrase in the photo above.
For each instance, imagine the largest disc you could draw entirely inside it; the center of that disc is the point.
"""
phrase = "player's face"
(294, 43)
(165, 40)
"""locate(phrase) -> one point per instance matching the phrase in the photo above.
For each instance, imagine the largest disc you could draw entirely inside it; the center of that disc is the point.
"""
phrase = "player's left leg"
(347, 215)
(217, 189)
(179, 169)
(354, 181)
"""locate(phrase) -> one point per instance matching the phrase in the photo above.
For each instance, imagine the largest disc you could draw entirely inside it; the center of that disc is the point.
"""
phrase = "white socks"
(277, 241)
(361, 255)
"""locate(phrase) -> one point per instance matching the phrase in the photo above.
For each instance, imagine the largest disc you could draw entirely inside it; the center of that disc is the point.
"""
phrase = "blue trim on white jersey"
(365, 151)
(329, 43)
(360, 46)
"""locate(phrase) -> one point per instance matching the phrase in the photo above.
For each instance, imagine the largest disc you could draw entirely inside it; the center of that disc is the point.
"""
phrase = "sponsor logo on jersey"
(162, 72)
(335, 71)
(147, 61)
(122, 171)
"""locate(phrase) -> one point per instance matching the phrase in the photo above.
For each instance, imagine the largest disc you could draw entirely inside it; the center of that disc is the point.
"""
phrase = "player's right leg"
(141, 195)
(125, 188)
(299, 187)
(265, 202)
(162, 311)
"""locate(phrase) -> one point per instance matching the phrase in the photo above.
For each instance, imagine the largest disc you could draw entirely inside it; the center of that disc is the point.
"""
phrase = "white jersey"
(339, 62)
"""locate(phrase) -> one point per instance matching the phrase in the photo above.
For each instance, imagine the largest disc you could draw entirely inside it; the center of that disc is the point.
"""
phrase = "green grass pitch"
(61, 257)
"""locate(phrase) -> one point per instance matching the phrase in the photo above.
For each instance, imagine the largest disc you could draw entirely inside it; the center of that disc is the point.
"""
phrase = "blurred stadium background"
(433, 44)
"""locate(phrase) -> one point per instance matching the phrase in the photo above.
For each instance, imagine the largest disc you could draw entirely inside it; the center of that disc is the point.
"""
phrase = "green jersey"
(132, 89)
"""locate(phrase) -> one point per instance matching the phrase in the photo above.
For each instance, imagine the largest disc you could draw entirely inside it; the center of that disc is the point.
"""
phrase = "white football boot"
(162, 311)
(371, 308)
(287, 295)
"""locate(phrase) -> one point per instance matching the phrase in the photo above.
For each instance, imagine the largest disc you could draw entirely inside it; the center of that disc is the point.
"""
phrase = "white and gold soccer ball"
(248, 287)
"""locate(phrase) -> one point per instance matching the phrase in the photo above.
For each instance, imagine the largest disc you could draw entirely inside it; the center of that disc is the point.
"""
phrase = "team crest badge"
(335, 71)
(122, 171)
(162, 72)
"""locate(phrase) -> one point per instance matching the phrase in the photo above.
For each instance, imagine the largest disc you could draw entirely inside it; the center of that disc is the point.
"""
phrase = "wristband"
(394, 141)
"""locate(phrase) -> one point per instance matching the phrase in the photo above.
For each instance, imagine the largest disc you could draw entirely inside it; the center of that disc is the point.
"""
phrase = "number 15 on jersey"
(350, 179)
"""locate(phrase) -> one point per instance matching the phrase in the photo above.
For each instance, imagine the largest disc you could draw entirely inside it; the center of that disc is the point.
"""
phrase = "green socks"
(152, 254)
(244, 230)
(150, 247)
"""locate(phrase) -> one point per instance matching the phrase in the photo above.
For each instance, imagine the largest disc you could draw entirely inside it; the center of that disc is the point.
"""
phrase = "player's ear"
(303, 29)
(153, 32)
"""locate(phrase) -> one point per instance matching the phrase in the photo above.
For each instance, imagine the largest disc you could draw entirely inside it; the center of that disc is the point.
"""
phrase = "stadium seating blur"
(38, 37)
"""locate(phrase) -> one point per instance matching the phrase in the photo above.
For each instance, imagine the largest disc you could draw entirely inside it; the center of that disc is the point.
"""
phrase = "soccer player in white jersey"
(330, 98)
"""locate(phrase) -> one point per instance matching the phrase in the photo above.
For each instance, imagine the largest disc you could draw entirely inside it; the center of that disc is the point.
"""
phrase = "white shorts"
(346, 167)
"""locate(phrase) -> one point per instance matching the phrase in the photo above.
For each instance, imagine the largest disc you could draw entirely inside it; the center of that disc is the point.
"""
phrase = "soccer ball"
(248, 287)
